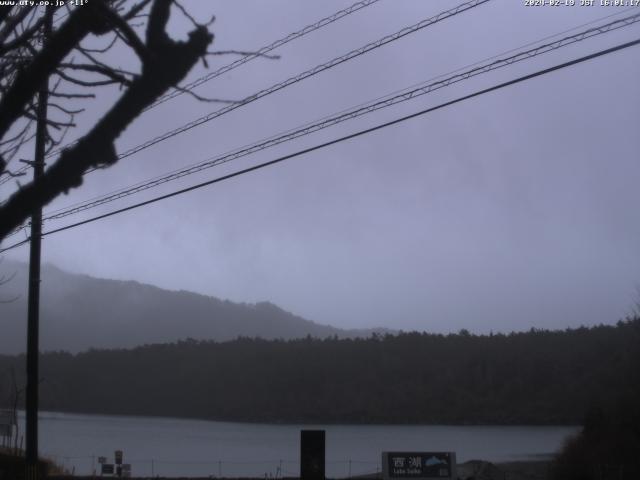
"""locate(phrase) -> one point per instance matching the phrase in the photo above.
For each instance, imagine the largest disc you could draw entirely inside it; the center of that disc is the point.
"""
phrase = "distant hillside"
(537, 377)
(80, 312)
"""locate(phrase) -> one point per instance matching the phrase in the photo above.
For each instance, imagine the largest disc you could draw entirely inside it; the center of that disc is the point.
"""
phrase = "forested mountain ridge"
(78, 312)
(537, 377)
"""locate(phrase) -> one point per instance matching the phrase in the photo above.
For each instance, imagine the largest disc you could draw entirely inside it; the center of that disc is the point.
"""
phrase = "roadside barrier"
(268, 469)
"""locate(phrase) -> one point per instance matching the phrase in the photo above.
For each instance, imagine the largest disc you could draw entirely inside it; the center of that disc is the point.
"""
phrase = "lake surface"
(173, 447)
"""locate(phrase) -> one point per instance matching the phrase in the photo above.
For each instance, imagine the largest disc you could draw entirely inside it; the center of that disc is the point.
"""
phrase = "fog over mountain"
(79, 312)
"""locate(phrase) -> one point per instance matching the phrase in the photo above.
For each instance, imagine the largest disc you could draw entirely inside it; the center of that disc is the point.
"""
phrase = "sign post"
(118, 461)
(312, 454)
(419, 465)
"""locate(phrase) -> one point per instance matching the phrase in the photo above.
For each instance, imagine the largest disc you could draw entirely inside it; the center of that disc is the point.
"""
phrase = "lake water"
(172, 447)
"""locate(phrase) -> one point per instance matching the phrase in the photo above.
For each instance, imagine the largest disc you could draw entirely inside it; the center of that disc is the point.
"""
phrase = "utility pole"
(33, 309)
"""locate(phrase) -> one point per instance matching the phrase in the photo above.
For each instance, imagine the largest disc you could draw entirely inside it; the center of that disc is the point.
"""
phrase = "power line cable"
(274, 140)
(404, 90)
(484, 60)
(348, 115)
(304, 75)
(353, 113)
(18, 173)
(266, 49)
(342, 139)
(252, 56)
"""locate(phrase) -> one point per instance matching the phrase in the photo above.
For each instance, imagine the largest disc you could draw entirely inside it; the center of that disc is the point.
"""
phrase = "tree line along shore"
(534, 377)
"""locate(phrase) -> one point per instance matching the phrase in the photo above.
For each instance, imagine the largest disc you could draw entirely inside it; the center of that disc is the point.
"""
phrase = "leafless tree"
(67, 57)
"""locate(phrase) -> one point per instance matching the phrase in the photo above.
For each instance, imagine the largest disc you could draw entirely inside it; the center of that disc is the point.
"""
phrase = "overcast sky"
(513, 210)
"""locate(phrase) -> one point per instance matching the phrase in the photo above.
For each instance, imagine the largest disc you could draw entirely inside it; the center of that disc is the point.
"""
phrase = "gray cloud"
(509, 211)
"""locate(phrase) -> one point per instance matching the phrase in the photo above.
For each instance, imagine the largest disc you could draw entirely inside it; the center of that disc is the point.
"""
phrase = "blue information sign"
(417, 465)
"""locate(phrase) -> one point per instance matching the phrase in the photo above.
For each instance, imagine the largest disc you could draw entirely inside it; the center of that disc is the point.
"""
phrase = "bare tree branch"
(128, 34)
(165, 64)
(135, 10)
(72, 95)
(28, 80)
(66, 110)
(23, 38)
(86, 83)
(204, 99)
(12, 22)
(99, 50)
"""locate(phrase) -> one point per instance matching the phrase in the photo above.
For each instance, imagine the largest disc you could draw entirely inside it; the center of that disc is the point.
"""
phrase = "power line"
(233, 65)
(252, 56)
(309, 73)
(493, 57)
(308, 29)
(102, 198)
(342, 139)
(266, 49)
(347, 115)
(306, 74)
(290, 81)
(18, 173)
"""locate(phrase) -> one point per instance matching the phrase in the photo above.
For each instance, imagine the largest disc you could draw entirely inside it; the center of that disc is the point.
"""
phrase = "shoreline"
(535, 469)
(516, 470)
(43, 413)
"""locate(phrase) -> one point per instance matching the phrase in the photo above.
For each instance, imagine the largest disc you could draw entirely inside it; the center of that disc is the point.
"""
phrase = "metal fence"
(268, 469)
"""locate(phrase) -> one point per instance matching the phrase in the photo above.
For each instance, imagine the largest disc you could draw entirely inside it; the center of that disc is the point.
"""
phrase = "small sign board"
(102, 460)
(107, 469)
(312, 454)
(419, 465)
